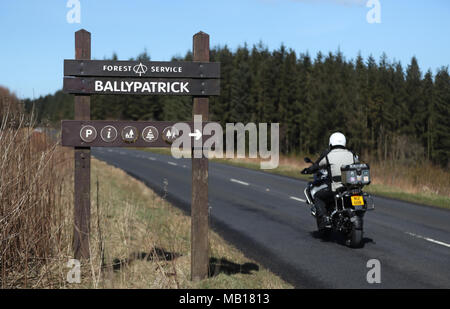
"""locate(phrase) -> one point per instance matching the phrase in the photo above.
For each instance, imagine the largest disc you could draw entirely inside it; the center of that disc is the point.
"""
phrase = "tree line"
(386, 110)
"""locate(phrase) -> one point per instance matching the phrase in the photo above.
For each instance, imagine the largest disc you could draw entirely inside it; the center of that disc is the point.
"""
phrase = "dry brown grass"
(420, 178)
(32, 178)
(146, 242)
(10, 106)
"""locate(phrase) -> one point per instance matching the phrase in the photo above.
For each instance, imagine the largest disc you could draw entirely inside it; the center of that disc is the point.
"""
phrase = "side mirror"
(308, 160)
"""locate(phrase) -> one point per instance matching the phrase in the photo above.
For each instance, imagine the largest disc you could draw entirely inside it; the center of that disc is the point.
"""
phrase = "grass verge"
(144, 242)
(428, 199)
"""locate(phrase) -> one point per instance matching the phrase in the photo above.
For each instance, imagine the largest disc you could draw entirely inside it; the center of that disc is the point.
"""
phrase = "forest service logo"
(140, 69)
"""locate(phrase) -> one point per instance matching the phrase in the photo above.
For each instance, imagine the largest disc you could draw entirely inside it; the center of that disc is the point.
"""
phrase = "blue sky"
(36, 37)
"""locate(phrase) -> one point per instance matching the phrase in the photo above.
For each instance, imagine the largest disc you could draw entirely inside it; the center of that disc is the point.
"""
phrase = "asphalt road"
(265, 216)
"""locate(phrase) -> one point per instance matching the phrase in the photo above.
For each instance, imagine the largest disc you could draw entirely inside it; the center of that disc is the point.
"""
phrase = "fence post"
(199, 205)
(82, 206)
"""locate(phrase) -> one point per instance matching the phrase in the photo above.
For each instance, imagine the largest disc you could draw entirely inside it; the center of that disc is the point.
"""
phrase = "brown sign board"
(138, 69)
(142, 86)
(118, 133)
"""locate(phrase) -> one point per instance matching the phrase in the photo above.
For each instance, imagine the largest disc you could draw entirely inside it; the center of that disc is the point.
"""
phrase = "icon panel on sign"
(129, 134)
(150, 134)
(108, 134)
(170, 134)
(88, 133)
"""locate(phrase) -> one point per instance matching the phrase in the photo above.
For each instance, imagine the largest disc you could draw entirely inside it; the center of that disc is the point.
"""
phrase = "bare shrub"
(32, 169)
(11, 105)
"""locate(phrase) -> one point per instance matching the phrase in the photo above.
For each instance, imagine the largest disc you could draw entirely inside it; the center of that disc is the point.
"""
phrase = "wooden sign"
(163, 69)
(113, 133)
(142, 86)
(84, 77)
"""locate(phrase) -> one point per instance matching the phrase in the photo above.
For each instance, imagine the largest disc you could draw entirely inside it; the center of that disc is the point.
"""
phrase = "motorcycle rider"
(332, 159)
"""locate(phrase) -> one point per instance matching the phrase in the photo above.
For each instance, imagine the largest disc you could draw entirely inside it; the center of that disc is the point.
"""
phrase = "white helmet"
(337, 139)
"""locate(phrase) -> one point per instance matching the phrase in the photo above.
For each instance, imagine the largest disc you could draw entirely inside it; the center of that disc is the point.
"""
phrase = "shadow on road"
(156, 254)
(224, 266)
(338, 238)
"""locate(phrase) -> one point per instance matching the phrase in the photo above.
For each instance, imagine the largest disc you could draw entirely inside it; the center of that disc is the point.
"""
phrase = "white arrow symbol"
(197, 134)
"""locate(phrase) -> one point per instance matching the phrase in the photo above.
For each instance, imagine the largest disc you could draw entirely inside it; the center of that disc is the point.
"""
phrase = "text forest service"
(145, 69)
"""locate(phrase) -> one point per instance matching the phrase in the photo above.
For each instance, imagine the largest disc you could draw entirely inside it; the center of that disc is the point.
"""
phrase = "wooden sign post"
(199, 204)
(84, 77)
(82, 186)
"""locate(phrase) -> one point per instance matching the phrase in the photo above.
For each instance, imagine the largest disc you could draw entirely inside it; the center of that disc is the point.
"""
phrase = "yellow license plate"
(357, 200)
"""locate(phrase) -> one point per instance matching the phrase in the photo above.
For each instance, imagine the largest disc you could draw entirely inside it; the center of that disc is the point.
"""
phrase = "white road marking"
(172, 163)
(429, 239)
(297, 199)
(184, 166)
(151, 158)
(239, 182)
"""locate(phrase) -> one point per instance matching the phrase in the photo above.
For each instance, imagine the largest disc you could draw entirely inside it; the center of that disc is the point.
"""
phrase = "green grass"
(419, 198)
(428, 199)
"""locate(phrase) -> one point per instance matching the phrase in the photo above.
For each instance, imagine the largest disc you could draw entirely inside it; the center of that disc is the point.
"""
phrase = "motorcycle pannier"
(355, 174)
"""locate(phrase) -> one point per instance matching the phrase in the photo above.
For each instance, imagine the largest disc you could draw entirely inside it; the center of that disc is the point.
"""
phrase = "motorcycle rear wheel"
(355, 238)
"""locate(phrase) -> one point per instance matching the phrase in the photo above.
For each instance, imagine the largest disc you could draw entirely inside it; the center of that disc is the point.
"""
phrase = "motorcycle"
(349, 205)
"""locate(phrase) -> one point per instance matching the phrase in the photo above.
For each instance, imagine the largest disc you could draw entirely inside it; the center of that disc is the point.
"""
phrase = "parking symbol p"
(88, 134)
